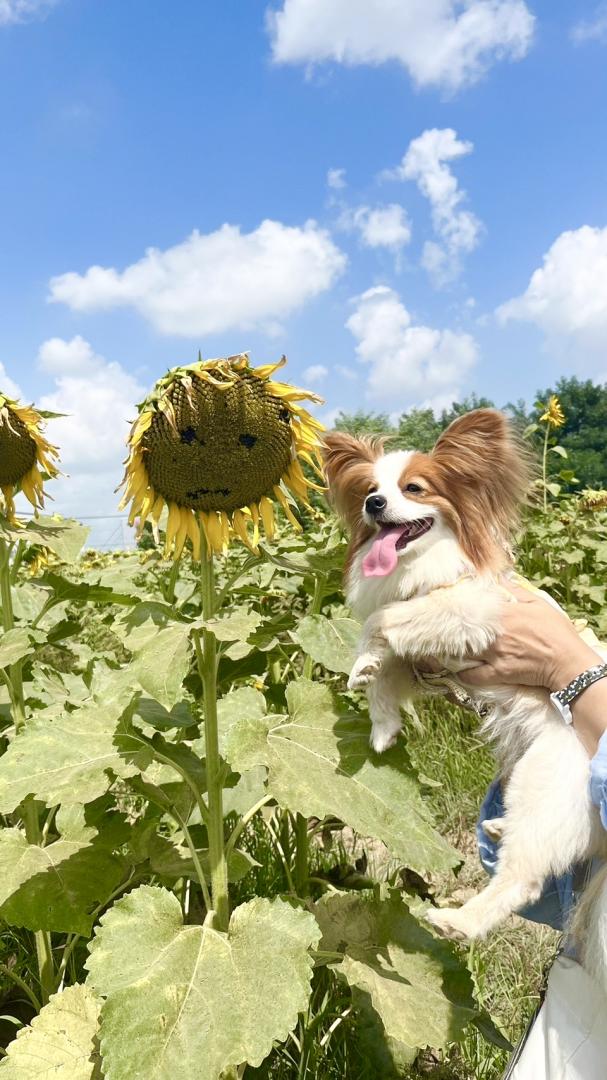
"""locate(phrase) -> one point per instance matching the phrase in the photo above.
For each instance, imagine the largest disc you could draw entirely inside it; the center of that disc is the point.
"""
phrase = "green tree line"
(584, 433)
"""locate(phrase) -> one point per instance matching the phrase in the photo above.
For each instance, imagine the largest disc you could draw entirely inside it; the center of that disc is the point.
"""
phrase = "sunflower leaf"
(64, 538)
(162, 662)
(56, 887)
(61, 1041)
(320, 764)
(330, 642)
(68, 759)
(15, 644)
(417, 984)
(185, 1000)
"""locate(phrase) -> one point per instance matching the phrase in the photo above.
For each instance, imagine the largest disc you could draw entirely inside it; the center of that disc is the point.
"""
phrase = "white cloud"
(16, 11)
(594, 29)
(216, 281)
(567, 296)
(315, 373)
(443, 43)
(419, 364)
(346, 372)
(7, 386)
(427, 163)
(379, 226)
(100, 398)
(336, 179)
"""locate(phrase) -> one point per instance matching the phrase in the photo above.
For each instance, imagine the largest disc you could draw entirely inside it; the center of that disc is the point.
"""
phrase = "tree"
(584, 433)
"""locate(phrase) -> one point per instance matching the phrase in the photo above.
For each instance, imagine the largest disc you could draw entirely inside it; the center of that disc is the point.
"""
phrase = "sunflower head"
(215, 442)
(553, 412)
(592, 499)
(26, 457)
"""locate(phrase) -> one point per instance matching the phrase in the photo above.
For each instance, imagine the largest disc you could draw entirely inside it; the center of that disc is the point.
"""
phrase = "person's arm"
(539, 646)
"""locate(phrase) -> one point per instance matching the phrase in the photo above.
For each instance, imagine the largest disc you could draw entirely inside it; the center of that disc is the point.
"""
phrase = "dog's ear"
(483, 461)
(348, 463)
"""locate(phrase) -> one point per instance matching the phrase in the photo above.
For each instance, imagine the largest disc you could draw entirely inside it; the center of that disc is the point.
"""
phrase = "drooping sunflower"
(215, 443)
(26, 458)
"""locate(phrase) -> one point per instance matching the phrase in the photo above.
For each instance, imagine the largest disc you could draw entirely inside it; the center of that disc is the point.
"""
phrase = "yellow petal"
(280, 495)
(267, 516)
(254, 510)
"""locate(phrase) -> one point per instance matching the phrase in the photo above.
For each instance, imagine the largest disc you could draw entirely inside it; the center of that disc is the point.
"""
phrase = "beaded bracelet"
(562, 698)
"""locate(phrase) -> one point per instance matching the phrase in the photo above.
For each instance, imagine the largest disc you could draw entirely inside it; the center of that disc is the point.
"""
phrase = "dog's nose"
(374, 504)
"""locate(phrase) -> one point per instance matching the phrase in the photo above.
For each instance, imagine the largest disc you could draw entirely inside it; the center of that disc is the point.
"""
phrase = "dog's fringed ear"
(348, 463)
(482, 452)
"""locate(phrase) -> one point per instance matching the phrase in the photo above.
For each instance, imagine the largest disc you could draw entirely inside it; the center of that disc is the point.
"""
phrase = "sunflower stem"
(46, 967)
(545, 466)
(301, 823)
(206, 654)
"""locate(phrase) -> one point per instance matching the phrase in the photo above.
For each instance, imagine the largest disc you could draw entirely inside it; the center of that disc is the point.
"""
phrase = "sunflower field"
(205, 872)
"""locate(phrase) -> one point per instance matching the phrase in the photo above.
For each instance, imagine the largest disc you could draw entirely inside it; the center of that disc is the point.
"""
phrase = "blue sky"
(416, 166)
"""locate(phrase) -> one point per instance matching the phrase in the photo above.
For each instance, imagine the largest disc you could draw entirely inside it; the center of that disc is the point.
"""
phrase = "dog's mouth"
(382, 557)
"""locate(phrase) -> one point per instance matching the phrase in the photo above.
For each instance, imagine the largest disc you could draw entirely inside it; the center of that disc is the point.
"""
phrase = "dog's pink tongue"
(382, 558)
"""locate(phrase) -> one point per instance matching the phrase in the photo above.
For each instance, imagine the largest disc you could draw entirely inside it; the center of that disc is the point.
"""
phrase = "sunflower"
(215, 442)
(26, 458)
(553, 415)
(592, 499)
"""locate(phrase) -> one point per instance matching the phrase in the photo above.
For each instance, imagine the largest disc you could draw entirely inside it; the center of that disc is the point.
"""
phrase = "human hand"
(537, 646)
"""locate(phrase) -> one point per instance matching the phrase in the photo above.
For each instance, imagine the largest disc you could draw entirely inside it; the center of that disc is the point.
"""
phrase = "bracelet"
(562, 698)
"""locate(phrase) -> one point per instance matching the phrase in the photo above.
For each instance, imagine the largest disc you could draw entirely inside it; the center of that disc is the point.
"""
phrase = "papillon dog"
(430, 549)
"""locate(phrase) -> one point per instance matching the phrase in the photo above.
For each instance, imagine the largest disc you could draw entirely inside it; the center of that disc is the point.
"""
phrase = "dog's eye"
(414, 489)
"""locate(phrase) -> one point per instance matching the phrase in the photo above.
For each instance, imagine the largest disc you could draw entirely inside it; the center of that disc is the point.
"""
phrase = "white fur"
(549, 822)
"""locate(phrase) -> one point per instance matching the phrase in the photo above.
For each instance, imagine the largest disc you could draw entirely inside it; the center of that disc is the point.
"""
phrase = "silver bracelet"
(563, 698)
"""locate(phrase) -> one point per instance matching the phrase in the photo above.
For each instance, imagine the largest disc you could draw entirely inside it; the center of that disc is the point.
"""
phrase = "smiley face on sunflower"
(216, 442)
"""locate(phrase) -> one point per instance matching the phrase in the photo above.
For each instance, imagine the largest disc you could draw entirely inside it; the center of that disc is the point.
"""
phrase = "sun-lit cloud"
(216, 281)
(16, 11)
(99, 397)
(315, 373)
(458, 231)
(567, 296)
(8, 386)
(442, 43)
(379, 226)
(593, 29)
(408, 364)
(336, 179)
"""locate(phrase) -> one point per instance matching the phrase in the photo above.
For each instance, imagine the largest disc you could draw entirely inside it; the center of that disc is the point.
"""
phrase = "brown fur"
(349, 471)
(477, 475)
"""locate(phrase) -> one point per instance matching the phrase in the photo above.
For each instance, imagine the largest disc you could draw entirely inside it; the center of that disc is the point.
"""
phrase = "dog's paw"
(494, 828)
(383, 737)
(364, 671)
(449, 923)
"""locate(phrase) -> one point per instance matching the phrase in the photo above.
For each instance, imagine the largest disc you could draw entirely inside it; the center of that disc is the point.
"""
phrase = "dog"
(430, 549)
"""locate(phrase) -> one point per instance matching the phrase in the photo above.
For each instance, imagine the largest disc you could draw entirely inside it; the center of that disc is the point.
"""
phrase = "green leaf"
(14, 645)
(56, 887)
(63, 589)
(554, 489)
(240, 705)
(65, 538)
(417, 984)
(237, 626)
(560, 450)
(189, 1001)
(155, 715)
(330, 642)
(320, 764)
(173, 860)
(60, 1043)
(162, 663)
(68, 759)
